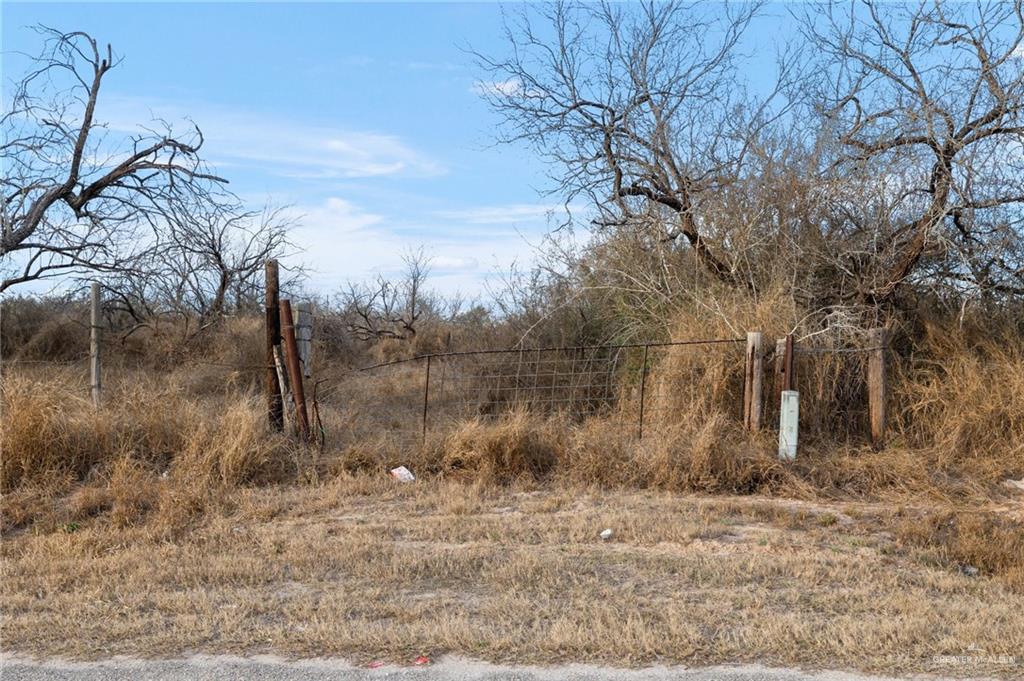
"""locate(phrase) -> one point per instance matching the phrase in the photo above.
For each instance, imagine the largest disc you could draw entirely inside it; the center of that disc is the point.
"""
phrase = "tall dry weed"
(509, 449)
(150, 447)
(964, 401)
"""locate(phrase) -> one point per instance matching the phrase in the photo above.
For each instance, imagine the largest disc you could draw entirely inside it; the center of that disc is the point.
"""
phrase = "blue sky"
(363, 117)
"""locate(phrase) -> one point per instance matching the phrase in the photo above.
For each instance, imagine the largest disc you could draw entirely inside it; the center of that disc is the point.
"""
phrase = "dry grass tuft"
(505, 451)
(712, 457)
(150, 448)
(990, 543)
(966, 404)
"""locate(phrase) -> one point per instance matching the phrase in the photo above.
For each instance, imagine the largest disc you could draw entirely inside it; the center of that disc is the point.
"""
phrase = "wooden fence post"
(426, 399)
(275, 405)
(94, 344)
(780, 360)
(291, 355)
(878, 387)
(304, 336)
(753, 383)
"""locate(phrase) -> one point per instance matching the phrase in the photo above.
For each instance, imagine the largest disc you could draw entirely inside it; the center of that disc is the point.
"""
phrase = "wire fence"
(641, 385)
(644, 387)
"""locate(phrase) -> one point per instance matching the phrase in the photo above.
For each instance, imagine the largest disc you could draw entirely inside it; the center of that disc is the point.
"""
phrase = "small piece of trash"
(403, 474)
(607, 534)
(422, 659)
(969, 570)
(376, 664)
(1015, 484)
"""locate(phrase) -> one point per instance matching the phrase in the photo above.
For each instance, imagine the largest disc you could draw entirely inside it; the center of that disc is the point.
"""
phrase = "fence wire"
(642, 385)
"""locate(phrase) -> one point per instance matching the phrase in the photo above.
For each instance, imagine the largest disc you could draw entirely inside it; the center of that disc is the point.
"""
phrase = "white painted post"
(789, 424)
(304, 337)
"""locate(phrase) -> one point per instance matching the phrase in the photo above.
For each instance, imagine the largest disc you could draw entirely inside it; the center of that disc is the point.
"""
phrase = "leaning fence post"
(753, 384)
(291, 353)
(785, 377)
(275, 405)
(878, 387)
(304, 336)
(94, 344)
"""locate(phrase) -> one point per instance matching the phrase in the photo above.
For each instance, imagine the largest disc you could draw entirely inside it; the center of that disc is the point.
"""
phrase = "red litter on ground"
(422, 659)
(376, 664)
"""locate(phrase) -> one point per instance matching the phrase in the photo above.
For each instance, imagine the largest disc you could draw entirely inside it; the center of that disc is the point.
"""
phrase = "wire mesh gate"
(643, 385)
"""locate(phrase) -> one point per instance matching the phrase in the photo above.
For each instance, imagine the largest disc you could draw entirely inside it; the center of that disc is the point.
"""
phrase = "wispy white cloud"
(510, 87)
(500, 215)
(342, 241)
(335, 217)
(287, 148)
(451, 262)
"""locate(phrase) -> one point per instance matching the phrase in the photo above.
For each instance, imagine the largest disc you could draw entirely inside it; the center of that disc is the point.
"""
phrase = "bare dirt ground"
(369, 569)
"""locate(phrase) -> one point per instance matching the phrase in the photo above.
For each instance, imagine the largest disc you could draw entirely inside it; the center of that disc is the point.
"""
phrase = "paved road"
(267, 668)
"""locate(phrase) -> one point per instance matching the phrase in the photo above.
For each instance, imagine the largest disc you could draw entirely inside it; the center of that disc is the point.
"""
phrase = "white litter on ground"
(402, 474)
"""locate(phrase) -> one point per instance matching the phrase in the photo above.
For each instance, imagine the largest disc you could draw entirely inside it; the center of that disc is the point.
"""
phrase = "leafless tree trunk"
(636, 106)
(928, 98)
(71, 201)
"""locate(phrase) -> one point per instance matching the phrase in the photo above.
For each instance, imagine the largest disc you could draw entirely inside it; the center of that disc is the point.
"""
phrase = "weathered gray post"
(878, 387)
(94, 344)
(753, 383)
(291, 355)
(304, 336)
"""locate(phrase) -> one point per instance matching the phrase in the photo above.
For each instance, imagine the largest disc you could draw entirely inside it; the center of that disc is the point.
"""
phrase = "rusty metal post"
(291, 354)
(94, 344)
(275, 405)
(426, 398)
(643, 387)
(878, 387)
(788, 366)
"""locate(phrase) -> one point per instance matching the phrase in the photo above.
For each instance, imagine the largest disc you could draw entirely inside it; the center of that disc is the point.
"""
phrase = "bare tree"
(389, 309)
(639, 108)
(219, 258)
(923, 104)
(208, 264)
(73, 198)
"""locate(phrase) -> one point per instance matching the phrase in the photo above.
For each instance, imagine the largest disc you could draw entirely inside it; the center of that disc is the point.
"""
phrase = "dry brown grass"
(225, 537)
(150, 450)
(960, 443)
(367, 568)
